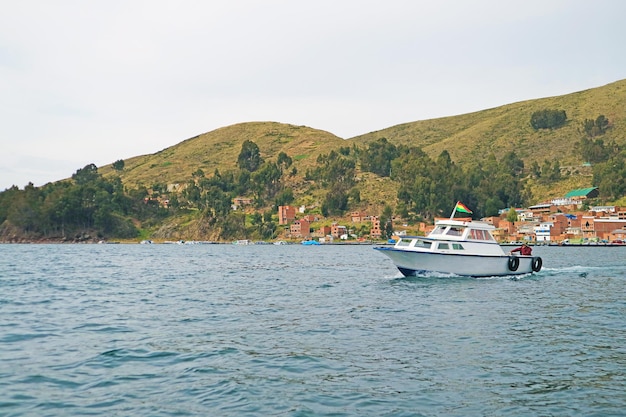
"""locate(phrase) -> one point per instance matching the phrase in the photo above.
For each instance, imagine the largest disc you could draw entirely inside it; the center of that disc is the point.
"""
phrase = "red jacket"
(523, 250)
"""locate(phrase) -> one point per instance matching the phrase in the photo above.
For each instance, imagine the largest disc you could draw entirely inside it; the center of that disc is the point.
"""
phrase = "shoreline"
(194, 242)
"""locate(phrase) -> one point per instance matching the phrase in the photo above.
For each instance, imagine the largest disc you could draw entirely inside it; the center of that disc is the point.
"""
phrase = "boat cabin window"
(404, 242)
(480, 234)
(423, 244)
(444, 246)
(457, 246)
(438, 230)
(454, 231)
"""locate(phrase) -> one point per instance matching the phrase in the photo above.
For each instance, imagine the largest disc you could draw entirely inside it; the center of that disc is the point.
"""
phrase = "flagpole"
(454, 210)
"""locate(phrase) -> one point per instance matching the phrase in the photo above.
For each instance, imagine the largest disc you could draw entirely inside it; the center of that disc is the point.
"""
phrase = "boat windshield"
(438, 230)
(454, 231)
(418, 243)
(404, 242)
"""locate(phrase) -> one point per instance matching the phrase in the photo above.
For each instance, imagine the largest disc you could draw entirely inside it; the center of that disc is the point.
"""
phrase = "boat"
(459, 247)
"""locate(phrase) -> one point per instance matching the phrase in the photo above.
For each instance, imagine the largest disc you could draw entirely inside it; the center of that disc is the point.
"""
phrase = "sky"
(95, 81)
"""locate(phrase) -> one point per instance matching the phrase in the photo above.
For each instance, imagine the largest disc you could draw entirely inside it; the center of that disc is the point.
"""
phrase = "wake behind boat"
(458, 247)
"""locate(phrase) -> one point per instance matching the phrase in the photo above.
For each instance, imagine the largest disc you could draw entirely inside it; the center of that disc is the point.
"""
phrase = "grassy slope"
(468, 138)
(220, 149)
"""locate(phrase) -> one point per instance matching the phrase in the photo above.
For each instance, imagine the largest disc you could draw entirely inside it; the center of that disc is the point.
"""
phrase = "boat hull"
(413, 263)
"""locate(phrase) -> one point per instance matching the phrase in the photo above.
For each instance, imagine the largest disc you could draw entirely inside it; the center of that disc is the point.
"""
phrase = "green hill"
(220, 148)
(469, 138)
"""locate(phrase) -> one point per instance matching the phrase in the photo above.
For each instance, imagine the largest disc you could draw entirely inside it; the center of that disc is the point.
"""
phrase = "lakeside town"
(563, 221)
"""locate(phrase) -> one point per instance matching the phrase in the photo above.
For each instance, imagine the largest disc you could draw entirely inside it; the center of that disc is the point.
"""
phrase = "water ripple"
(169, 330)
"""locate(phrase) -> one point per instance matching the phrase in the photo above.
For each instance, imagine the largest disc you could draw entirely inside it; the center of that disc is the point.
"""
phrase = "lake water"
(265, 330)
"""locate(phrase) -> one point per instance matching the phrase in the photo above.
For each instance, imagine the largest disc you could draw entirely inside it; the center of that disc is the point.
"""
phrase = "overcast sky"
(96, 81)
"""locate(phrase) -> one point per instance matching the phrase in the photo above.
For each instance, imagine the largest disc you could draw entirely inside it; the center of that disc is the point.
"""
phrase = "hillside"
(469, 138)
(220, 148)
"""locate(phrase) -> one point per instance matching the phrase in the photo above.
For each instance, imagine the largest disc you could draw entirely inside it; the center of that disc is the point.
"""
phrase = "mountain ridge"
(507, 127)
(469, 137)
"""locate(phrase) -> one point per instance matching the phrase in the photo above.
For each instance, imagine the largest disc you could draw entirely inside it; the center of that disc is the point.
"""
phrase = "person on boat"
(523, 250)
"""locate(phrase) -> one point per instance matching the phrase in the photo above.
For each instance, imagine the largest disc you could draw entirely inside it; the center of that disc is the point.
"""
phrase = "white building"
(542, 231)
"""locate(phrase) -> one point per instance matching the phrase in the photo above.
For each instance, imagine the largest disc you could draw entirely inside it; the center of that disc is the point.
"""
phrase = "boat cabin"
(457, 230)
(453, 236)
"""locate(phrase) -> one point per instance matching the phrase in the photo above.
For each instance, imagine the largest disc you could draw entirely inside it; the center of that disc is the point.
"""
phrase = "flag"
(460, 207)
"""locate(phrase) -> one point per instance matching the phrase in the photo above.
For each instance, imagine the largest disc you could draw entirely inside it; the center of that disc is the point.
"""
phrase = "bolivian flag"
(462, 208)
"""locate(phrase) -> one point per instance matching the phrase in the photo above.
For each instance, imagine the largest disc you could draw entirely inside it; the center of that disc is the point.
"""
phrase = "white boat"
(458, 247)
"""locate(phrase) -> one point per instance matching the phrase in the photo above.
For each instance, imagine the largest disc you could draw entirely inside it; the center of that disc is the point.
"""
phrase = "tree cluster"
(548, 119)
(429, 188)
(87, 202)
(593, 149)
(378, 156)
(336, 172)
(610, 176)
(548, 172)
(596, 127)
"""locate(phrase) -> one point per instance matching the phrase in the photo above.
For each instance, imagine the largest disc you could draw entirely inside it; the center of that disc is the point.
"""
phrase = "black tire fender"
(513, 263)
(537, 264)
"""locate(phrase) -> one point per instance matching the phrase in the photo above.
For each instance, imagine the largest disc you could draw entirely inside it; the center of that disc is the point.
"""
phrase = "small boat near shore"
(465, 248)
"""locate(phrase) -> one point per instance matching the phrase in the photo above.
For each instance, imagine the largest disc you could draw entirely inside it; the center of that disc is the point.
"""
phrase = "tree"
(118, 165)
(511, 215)
(535, 169)
(610, 177)
(249, 157)
(256, 219)
(86, 174)
(25, 210)
(596, 127)
(386, 222)
(333, 169)
(548, 119)
(354, 195)
(595, 150)
(266, 180)
(550, 171)
(492, 206)
(335, 202)
(602, 123)
(283, 161)
(218, 203)
(199, 173)
(513, 163)
(284, 198)
(378, 156)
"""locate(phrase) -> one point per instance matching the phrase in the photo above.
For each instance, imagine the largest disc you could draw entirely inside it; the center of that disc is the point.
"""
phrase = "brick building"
(324, 231)
(358, 216)
(336, 230)
(300, 228)
(375, 232)
(286, 214)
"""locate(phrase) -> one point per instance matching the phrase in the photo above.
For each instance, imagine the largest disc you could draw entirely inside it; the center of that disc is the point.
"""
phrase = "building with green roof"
(582, 193)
